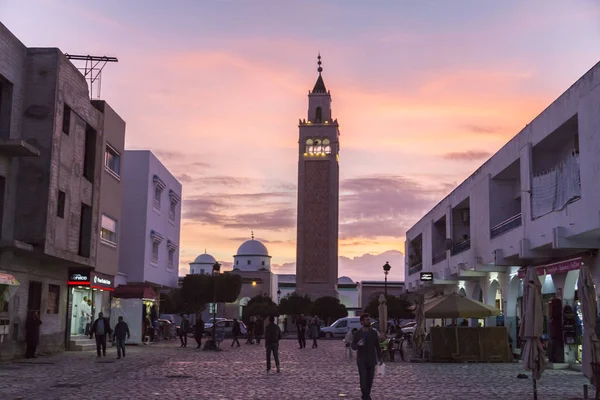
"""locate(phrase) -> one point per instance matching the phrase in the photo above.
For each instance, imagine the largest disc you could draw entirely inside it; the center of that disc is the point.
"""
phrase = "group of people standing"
(313, 331)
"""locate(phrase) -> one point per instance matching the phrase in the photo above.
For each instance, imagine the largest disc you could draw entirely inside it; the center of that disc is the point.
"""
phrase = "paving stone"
(167, 371)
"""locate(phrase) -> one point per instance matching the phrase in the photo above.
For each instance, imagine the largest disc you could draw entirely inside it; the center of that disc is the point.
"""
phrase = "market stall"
(133, 303)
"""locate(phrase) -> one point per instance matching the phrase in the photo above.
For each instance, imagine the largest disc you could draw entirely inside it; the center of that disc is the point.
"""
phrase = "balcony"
(439, 257)
(503, 227)
(461, 247)
(415, 268)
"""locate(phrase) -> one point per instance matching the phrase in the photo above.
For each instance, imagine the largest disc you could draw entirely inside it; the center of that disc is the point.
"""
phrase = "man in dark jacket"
(185, 328)
(368, 354)
(32, 333)
(272, 338)
(236, 331)
(101, 328)
(199, 331)
(120, 333)
(301, 327)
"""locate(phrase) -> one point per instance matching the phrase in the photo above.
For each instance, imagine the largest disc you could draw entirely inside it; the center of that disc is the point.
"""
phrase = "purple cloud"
(470, 155)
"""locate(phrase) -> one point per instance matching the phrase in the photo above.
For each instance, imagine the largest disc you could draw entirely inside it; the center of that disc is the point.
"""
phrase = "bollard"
(585, 392)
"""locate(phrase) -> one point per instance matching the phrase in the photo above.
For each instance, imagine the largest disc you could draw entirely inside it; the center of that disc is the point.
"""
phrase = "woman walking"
(314, 332)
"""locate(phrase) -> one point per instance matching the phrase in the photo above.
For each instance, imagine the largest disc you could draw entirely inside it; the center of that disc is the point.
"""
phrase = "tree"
(329, 309)
(261, 306)
(199, 290)
(173, 303)
(397, 308)
(295, 304)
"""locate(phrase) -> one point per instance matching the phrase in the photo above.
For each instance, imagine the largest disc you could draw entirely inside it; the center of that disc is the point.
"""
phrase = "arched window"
(326, 146)
(309, 146)
(318, 115)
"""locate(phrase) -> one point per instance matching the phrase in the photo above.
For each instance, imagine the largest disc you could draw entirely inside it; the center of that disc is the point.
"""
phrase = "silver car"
(226, 326)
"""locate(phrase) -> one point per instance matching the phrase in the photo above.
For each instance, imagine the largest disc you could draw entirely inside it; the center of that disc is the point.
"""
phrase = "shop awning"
(554, 268)
(8, 279)
(135, 292)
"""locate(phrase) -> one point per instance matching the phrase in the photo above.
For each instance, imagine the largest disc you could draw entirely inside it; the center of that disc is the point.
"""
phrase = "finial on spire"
(319, 63)
(252, 232)
(205, 251)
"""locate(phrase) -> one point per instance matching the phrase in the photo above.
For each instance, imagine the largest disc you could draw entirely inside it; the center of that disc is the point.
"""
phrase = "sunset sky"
(424, 92)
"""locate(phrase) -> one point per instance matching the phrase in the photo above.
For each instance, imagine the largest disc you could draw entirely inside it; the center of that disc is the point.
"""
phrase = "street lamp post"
(386, 271)
(216, 268)
(278, 296)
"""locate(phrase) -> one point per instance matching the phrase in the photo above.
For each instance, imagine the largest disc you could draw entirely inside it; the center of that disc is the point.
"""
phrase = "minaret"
(318, 196)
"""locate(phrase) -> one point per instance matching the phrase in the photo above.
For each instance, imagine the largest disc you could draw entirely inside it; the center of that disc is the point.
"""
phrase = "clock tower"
(318, 196)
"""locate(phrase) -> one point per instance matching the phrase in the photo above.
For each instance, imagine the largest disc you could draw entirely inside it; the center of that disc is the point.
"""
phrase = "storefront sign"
(554, 268)
(102, 281)
(426, 276)
(78, 277)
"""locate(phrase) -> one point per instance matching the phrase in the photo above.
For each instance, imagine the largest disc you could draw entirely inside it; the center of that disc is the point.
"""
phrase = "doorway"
(34, 298)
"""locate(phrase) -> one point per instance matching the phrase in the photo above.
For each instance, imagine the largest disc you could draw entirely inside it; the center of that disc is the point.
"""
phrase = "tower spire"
(319, 63)
(319, 85)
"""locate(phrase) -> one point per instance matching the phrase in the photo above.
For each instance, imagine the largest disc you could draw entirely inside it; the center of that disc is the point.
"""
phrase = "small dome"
(204, 259)
(345, 279)
(252, 248)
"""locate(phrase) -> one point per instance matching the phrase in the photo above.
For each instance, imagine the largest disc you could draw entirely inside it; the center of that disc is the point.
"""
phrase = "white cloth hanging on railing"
(554, 189)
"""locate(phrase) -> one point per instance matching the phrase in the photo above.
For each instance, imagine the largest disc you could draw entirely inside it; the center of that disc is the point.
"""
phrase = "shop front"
(89, 295)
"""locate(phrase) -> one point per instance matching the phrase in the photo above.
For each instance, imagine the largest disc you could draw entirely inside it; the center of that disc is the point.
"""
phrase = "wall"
(133, 257)
(111, 189)
(241, 263)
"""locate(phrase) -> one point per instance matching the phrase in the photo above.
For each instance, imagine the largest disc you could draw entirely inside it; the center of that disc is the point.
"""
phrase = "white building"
(151, 221)
(536, 202)
(252, 255)
(203, 264)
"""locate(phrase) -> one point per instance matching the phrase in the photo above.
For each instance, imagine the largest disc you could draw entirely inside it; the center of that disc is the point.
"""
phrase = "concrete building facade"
(318, 196)
(151, 221)
(50, 181)
(536, 202)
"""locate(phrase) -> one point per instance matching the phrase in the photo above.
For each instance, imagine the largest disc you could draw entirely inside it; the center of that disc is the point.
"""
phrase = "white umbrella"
(587, 296)
(532, 328)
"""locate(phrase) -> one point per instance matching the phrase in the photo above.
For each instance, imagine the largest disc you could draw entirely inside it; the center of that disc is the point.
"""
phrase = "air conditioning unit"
(466, 215)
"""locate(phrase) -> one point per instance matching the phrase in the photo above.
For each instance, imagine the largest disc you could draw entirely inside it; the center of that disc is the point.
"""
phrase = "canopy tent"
(8, 286)
(455, 305)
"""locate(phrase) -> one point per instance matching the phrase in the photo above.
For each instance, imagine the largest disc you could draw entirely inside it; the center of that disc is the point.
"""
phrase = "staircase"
(81, 343)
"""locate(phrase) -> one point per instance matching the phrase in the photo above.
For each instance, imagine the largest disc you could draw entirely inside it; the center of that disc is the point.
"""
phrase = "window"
(108, 230)
(85, 230)
(249, 262)
(157, 195)
(154, 253)
(2, 191)
(6, 95)
(172, 211)
(342, 324)
(66, 123)
(202, 271)
(53, 299)
(171, 257)
(237, 262)
(112, 161)
(89, 157)
(60, 205)
(263, 263)
(317, 147)
(319, 115)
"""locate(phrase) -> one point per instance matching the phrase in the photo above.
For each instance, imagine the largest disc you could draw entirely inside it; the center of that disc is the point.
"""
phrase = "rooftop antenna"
(92, 70)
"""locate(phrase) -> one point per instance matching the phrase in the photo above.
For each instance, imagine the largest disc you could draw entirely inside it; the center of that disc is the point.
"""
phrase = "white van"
(340, 327)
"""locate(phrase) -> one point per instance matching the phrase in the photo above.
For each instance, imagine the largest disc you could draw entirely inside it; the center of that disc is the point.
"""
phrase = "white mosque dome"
(205, 259)
(253, 248)
(345, 279)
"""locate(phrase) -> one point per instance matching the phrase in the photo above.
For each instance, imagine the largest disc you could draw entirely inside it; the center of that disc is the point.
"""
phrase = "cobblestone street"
(167, 371)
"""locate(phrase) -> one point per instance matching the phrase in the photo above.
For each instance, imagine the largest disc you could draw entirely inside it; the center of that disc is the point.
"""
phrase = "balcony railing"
(503, 227)
(413, 269)
(439, 257)
(460, 247)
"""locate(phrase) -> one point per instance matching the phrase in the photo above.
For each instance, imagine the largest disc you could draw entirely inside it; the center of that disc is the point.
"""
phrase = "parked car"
(340, 327)
(226, 325)
(208, 324)
(409, 327)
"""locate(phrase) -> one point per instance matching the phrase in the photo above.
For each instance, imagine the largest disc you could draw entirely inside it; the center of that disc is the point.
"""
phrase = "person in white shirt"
(348, 342)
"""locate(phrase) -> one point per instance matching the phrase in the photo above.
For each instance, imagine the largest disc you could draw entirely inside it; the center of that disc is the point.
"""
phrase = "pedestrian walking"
(301, 328)
(285, 326)
(199, 332)
(236, 331)
(250, 331)
(185, 328)
(101, 328)
(368, 354)
(259, 328)
(314, 332)
(121, 332)
(32, 333)
(272, 338)
(348, 343)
